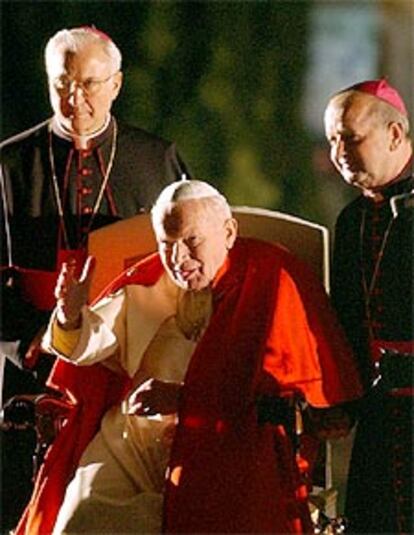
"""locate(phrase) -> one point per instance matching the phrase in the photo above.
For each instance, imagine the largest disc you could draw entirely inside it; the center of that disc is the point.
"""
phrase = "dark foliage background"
(223, 79)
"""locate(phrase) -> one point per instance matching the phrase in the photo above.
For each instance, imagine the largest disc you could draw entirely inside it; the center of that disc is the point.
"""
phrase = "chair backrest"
(121, 244)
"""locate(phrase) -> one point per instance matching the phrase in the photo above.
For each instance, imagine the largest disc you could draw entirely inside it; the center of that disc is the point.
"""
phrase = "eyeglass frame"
(81, 85)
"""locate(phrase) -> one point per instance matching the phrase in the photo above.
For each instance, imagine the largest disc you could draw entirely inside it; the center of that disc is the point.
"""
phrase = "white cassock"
(118, 485)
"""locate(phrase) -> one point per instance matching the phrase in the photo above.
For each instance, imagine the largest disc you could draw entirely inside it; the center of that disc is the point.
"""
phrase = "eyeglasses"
(89, 87)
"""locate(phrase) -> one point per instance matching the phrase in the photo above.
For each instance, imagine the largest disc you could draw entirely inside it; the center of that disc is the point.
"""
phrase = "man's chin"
(354, 179)
(80, 125)
(197, 287)
(192, 285)
(82, 128)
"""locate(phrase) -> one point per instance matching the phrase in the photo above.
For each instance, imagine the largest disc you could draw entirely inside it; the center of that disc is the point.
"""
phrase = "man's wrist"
(64, 341)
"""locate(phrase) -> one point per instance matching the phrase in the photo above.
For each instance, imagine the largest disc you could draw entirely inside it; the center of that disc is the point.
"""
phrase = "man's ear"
(231, 227)
(396, 135)
(117, 83)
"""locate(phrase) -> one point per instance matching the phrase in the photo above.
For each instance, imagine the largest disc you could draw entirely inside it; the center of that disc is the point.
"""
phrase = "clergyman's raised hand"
(72, 293)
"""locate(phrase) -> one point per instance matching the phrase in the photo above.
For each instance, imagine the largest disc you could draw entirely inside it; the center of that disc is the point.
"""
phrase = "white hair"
(74, 40)
(187, 190)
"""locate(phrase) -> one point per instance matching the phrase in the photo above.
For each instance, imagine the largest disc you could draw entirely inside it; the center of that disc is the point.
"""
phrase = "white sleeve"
(102, 332)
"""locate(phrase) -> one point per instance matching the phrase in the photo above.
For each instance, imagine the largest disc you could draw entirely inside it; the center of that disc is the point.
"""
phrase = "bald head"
(373, 108)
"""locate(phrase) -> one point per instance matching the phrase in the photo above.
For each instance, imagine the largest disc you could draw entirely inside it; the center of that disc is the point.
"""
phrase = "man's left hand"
(154, 397)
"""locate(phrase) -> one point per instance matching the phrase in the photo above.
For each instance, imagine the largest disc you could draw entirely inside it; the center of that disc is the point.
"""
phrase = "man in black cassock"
(367, 128)
(75, 172)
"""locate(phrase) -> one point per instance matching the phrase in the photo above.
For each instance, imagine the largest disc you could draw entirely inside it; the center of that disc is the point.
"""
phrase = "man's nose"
(76, 94)
(179, 253)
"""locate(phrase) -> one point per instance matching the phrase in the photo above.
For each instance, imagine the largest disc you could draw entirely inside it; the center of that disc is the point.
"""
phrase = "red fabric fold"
(272, 332)
(273, 320)
(92, 391)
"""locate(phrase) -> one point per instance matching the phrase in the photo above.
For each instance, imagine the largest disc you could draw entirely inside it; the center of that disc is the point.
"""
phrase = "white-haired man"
(211, 328)
(77, 171)
(367, 128)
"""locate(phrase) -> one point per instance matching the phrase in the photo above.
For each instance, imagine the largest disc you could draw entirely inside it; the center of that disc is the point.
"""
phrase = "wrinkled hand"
(72, 293)
(330, 423)
(154, 397)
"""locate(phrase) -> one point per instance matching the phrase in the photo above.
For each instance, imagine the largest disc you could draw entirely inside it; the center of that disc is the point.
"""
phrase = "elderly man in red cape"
(205, 333)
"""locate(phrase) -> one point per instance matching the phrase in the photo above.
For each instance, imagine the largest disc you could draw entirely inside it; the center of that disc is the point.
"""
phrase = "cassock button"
(85, 153)
(85, 190)
(86, 210)
(85, 171)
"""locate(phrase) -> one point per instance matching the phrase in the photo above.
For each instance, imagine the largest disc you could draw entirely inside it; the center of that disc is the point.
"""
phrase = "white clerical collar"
(80, 141)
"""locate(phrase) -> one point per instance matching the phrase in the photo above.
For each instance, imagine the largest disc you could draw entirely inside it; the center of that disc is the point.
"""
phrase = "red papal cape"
(272, 331)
